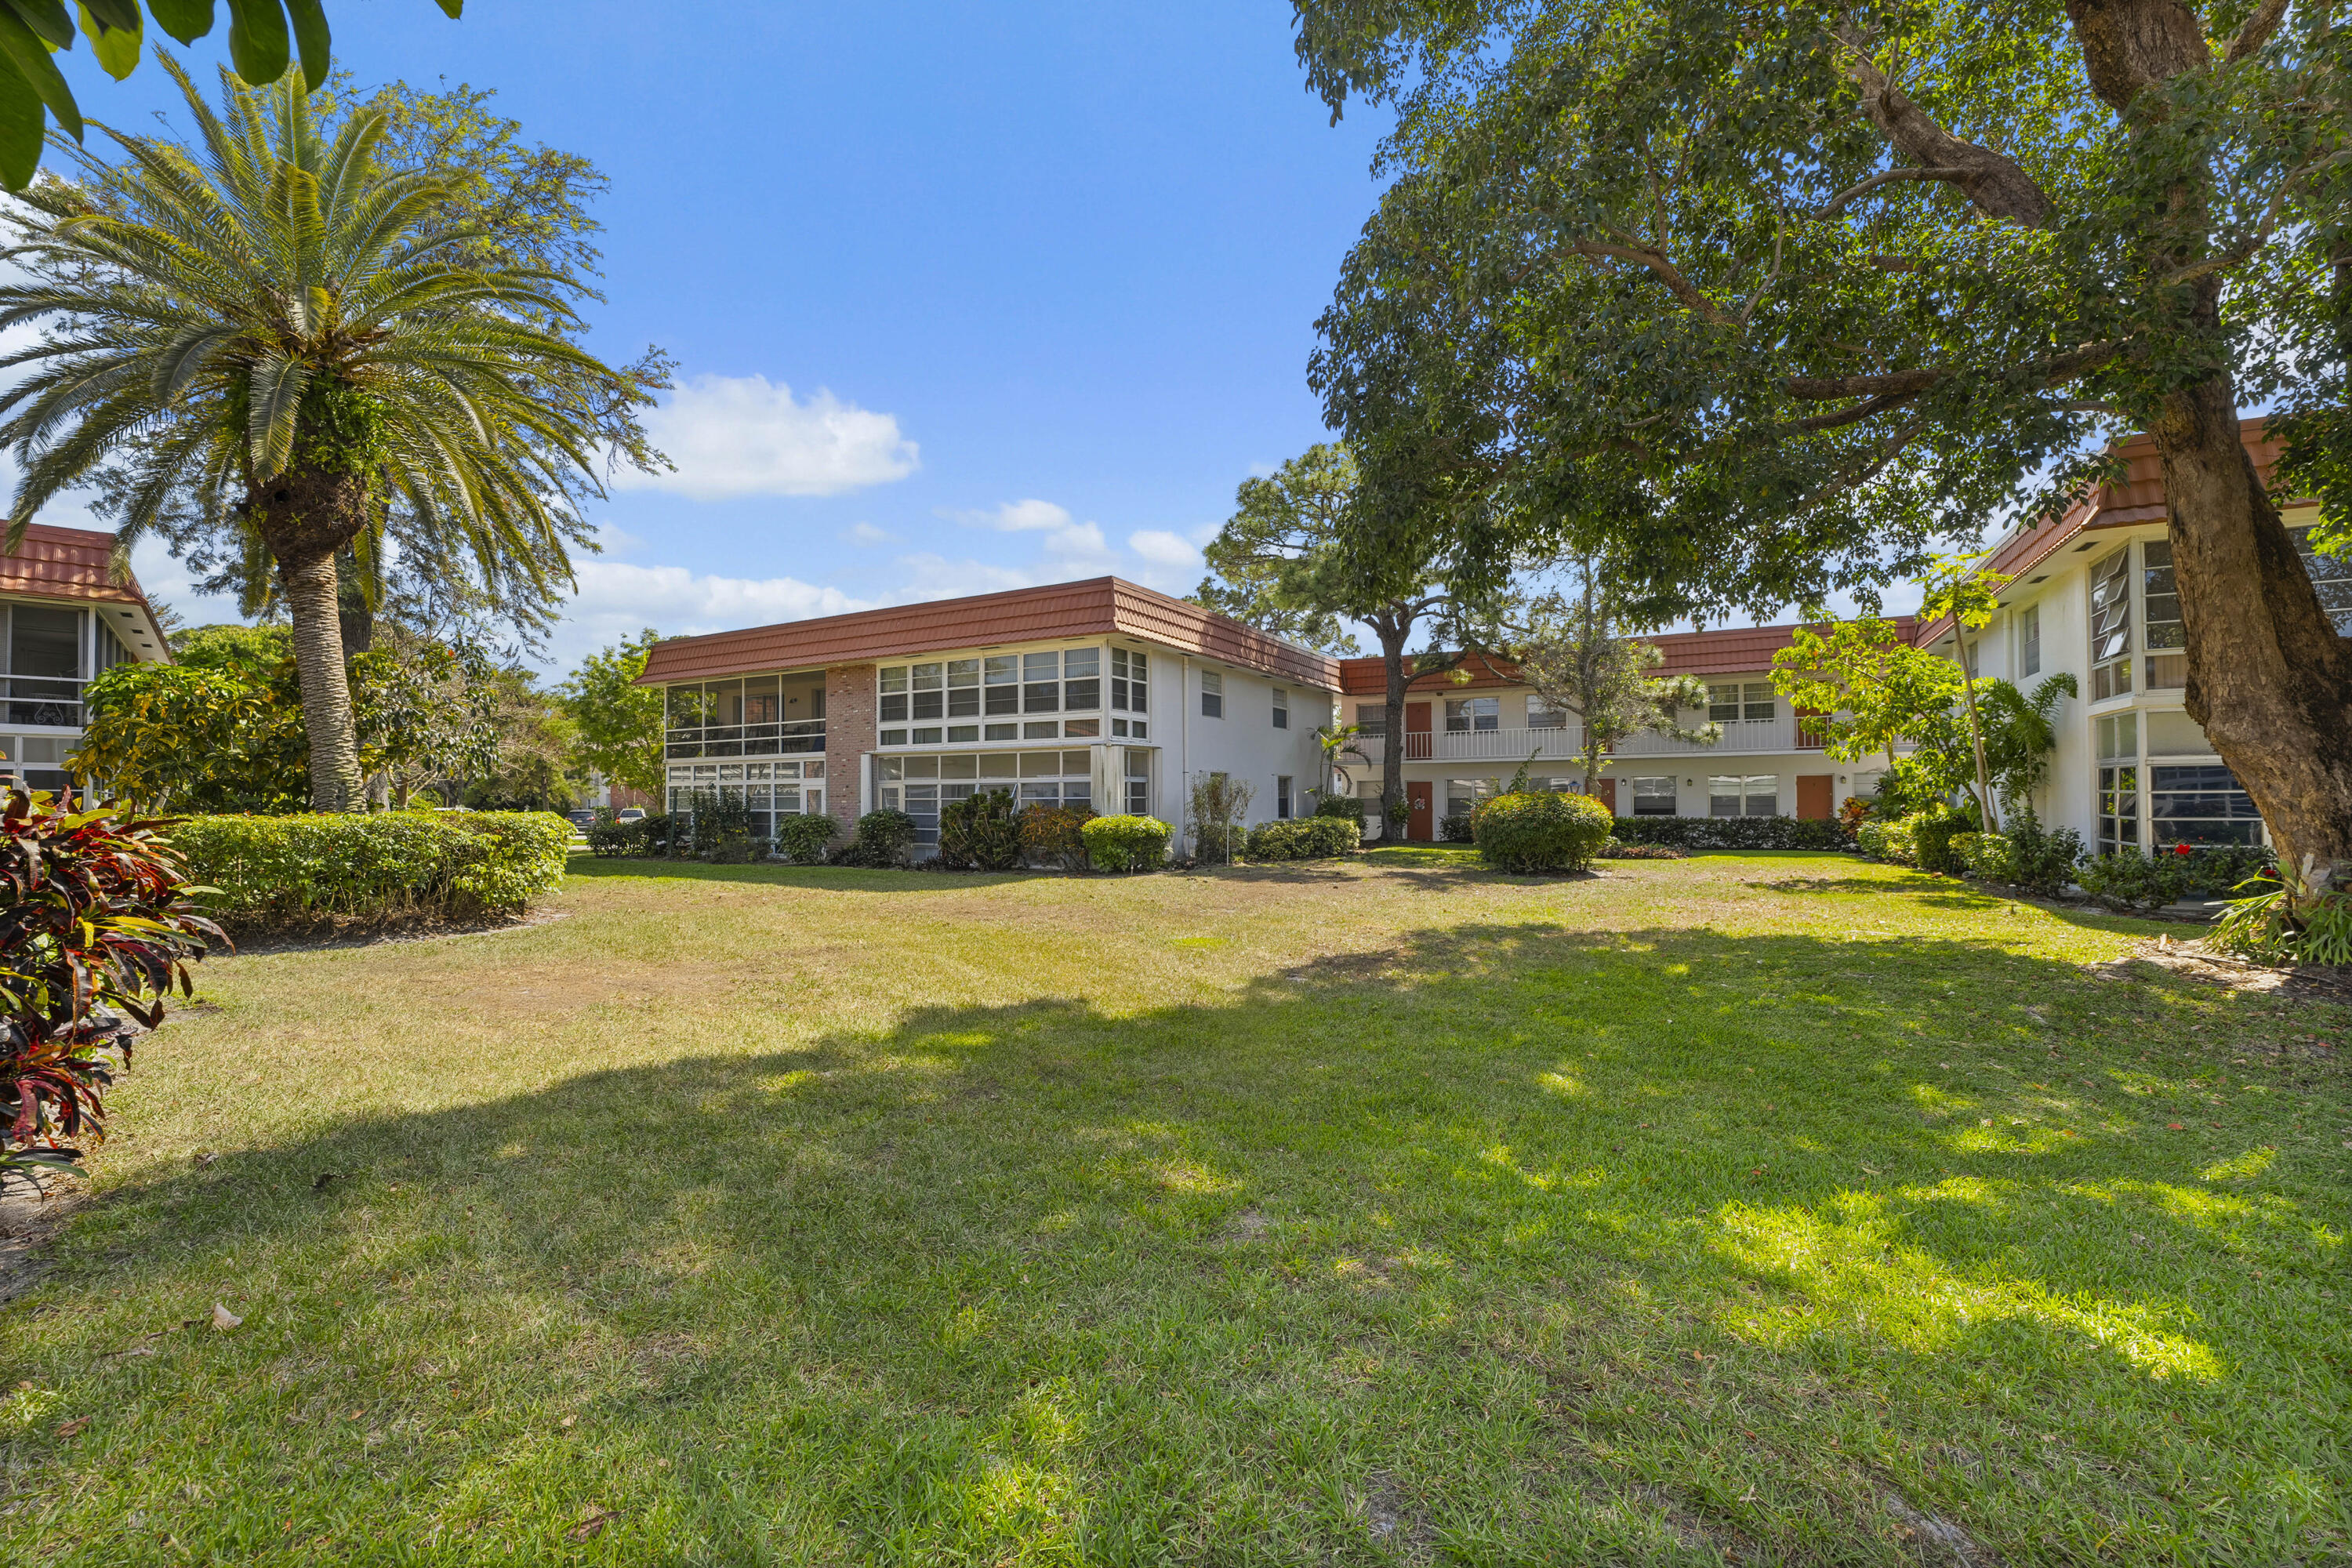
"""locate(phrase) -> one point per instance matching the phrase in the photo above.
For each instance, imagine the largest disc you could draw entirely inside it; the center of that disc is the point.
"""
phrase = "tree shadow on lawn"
(1952, 893)
(1644, 1246)
(832, 879)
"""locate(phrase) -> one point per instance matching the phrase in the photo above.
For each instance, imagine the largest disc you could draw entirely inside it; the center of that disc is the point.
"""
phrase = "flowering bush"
(97, 921)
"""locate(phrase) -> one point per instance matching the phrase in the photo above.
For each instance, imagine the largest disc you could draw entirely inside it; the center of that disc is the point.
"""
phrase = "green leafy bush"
(2043, 860)
(2129, 879)
(97, 920)
(1347, 807)
(1890, 841)
(716, 828)
(1731, 832)
(1055, 834)
(2263, 926)
(980, 832)
(1538, 830)
(1458, 828)
(1127, 843)
(803, 837)
(881, 839)
(382, 865)
(1986, 857)
(1933, 830)
(609, 840)
(1615, 851)
(1304, 838)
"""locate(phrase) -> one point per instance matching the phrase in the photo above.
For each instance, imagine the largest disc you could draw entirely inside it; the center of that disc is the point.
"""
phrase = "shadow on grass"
(1628, 1247)
(839, 879)
(1952, 893)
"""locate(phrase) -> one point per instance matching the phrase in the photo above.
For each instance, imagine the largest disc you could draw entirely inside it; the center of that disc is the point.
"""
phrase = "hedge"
(1304, 838)
(1127, 843)
(1731, 832)
(1538, 830)
(375, 866)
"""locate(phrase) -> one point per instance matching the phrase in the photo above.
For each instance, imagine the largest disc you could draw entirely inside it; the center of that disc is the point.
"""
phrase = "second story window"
(2111, 625)
(2029, 640)
(1130, 686)
(1213, 695)
(1464, 714)
(1728, 702)
(1542, 715)
(2159, 598)
(1371, 720)
(1282, 714)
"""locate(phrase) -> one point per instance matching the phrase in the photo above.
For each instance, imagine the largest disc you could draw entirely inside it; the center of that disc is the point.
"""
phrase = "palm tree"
(272, 330)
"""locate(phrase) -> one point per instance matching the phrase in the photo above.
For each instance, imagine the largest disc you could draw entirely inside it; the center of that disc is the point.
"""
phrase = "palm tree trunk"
(310, 589)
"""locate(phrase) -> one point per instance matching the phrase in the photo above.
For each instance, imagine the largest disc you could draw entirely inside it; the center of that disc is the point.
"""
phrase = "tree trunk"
(1986, 821)
(309, 586)
(1393, 635)
(2269, 677)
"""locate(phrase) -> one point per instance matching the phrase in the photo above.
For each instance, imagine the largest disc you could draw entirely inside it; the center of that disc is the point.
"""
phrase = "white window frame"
(1213, 695)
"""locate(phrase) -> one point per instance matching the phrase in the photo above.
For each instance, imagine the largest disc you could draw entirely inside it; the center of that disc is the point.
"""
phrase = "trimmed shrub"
(1933, 831)
(1731, 832)
(1613, 850)
(1304, 838)
(1889, 841)
(803, 837)
(1986, 857)
(376, 866)
(1347, 807)
(881, 839)
(1459, 829)
(607, 839)
(96, 919)
(1540, 831)
(1127, 843)
(1055, 835)
(980, 832)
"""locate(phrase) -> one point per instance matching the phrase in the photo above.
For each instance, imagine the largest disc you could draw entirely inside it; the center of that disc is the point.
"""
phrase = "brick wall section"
(848, 736)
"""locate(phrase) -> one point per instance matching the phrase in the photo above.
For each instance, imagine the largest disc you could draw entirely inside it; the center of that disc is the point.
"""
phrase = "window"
(963, 688)
(1371, 720)
(1139, 781)
(767, 791)
(1729, 702)
(1654, 798)
(2118, 737)
(1282, 797)
(1001, 684)
(1542, 715)
(1128, 682)
(1749, 795)
(2111, 625)
(1462, 794)
(2029, 640)
(1040, 683)
(2118, 809)
(2159, 597)
(1001, 687)
(1213, 695)
(2201, 803)
(2330, 574)
(919, 785)
(1281, 712)
(1464, 714)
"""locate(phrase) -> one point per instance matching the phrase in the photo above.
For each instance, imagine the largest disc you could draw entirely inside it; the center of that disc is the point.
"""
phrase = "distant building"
(63, 619)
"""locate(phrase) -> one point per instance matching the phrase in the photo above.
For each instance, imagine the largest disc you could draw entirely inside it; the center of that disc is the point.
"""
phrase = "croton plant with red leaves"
(96, 930)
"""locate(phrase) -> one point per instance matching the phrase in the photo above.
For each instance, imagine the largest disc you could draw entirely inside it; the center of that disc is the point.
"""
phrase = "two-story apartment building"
(1466, 728)
(63, 619)
(2091, 593)
(1097, 692)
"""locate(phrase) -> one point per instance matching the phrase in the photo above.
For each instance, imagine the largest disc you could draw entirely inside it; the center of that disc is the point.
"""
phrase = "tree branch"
(1682, 288)
(1998, 186)
(2257, 30)
(1839, 203)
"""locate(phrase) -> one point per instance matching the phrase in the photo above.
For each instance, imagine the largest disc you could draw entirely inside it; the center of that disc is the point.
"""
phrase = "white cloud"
(741, 436)
(616, 599)
(866, 533)
(1018, 516)
(1163, 548)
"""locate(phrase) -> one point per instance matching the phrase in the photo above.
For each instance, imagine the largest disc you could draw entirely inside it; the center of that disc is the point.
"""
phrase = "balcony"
(797, 738)
(1566, 743)
(50, 700)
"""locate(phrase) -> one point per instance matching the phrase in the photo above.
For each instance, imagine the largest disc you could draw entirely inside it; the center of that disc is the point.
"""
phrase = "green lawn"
(1767, 1208)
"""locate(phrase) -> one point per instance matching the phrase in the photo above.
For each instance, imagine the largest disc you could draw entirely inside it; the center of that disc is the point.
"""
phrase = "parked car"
(630, 814)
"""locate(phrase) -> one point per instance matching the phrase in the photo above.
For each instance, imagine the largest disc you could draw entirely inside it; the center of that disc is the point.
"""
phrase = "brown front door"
(1420, 821)
(1814, 796)
(1605, 791)
(1416, 737)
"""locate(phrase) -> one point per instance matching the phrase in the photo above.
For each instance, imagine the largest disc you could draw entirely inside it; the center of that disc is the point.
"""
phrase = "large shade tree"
(271, 329)
(1767, 303)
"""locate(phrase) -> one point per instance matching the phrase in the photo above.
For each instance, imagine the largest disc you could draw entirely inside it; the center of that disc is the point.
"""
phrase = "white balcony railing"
(1514, 746)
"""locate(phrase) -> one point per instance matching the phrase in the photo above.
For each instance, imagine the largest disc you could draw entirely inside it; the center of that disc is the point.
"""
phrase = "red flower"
(2180, 849)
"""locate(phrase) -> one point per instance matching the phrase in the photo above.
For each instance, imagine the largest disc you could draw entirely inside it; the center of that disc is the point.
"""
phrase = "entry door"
(1814, 796)
(1416, 736)
(1605, 791)
(1421, 821)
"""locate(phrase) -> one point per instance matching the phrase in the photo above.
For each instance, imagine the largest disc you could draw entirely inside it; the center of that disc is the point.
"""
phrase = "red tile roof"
(1734, 651)
(1369, 677)
(1099, 607)
(71, 564)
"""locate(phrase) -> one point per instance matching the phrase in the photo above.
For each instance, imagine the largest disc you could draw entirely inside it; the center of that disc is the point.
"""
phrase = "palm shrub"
(2287, 919)
(269, 334)
(1539, 830)
(982, 832)
(98, 922)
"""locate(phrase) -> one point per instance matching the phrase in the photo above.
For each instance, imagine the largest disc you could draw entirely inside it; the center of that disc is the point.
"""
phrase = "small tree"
(1218, 804)
(1576, 657)
(618, 723)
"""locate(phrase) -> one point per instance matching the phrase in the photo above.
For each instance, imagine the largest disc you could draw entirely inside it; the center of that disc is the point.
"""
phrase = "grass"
(1767, 1208)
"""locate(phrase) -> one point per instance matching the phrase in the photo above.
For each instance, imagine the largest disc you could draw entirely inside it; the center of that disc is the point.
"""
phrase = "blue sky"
(965, 296)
